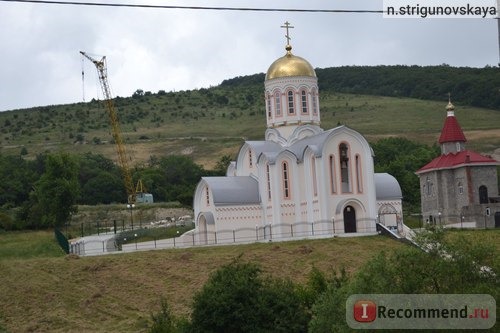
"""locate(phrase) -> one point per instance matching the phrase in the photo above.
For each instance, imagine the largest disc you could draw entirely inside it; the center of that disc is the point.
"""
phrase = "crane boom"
(115, 125)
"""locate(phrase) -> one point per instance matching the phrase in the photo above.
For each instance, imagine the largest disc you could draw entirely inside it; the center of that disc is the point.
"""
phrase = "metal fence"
(100, 227)
(62, 240)
(110, 243)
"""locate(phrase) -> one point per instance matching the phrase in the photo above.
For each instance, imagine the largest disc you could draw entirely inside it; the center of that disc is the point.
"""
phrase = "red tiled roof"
(451, 132)
(463, 158)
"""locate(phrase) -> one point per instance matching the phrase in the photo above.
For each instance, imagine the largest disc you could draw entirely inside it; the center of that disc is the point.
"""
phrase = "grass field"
(45, 291)
(118, 293)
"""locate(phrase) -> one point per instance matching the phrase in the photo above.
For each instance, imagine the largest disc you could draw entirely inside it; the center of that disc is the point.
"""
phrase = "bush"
(166, 322)
(237, 299)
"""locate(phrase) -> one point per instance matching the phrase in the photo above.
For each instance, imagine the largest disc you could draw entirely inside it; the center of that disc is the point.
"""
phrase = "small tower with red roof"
(459, 186)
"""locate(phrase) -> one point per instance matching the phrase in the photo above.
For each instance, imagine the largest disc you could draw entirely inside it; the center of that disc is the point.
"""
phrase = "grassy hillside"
(209, 123)
(117, 293)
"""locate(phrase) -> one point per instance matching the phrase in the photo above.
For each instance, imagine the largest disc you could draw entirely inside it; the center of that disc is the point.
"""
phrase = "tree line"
(468, 86)
(45, 191)
(238, 297)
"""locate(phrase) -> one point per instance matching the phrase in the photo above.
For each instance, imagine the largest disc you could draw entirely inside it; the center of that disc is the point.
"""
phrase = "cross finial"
(450, 107)
(287, 26)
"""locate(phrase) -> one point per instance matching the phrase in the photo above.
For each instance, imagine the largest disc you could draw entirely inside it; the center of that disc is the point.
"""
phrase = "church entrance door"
(497, 220)
(349, 219)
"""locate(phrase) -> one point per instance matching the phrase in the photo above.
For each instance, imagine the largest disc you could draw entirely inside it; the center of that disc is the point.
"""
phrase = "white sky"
(165, 49)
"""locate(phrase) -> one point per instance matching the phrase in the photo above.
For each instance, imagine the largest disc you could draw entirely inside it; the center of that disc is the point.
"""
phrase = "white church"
(301, 181)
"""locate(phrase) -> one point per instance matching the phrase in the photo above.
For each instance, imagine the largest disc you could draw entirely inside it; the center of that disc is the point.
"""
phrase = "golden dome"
(290, 65)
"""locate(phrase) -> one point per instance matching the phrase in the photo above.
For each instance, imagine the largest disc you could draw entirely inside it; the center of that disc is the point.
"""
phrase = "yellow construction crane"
(115, 126)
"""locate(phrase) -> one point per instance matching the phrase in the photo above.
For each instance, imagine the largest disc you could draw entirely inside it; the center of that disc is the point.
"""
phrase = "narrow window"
(250, 160)
(269, 113)
(359, 177)
(313, 171)
(277, 103)
(304, 101)
(460, 188)
(286, 181)
(483, 194)
(314, 102)
(268, 177)
(332, 174)
(344, 168)
(291, 109)
(429, 186)
(207, 195)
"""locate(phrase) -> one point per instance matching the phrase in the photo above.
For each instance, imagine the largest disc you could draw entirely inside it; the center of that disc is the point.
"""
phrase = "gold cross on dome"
(287, 26)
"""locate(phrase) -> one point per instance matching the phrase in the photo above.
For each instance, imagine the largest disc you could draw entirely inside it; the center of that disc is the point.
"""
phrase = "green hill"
(208, 123)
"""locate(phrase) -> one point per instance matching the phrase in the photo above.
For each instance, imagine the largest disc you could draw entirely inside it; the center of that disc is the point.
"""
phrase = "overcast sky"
(175, 49)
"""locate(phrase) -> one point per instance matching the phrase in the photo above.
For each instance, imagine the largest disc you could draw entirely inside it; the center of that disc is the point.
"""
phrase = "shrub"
(237, 299)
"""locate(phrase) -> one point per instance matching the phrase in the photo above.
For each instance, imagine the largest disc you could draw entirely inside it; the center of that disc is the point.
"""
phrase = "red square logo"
(365, 311)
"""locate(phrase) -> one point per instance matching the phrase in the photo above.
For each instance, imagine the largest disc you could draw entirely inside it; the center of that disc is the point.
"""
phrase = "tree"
(402, 158)
(103, 188)
(165, 322)
(181, 176)
(16, 179)
(222, 164)
(54, 197)
(237, 299)
(449, 265)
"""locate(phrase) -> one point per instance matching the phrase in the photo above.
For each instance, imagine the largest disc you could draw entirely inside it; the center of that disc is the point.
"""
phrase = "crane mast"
(115, 125)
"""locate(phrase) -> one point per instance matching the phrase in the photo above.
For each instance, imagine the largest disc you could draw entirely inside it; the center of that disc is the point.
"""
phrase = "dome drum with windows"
(291, 92)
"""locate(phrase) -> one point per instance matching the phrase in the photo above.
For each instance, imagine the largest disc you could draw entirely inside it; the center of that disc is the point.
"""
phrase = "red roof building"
(460, 185)
(453, 152)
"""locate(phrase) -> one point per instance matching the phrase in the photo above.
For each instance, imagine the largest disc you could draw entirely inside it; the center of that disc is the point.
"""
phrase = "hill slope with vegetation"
(208, 123)
(45, 291)
(174, 138)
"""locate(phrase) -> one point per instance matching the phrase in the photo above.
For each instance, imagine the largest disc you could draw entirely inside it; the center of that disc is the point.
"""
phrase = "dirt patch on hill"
(144, 213)
(483, 134)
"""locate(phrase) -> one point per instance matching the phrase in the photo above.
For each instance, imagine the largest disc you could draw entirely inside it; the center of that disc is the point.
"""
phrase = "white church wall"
(389, 211)
(245, 167)
(237, 223)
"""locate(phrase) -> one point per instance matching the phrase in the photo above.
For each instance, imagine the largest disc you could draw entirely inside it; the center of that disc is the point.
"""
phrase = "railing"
(102, 244)
(62, 240)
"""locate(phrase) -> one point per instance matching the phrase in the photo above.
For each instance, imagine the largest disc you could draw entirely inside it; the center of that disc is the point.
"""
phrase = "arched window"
(429, 186)
(269, 113)
(344, 168)
(303, 100)
(286, 180)
(333, 188)
(268, 178)
(314, 97)
(277, 103)
(313, 171)
(460, 188)
(359, 174)
(291, 106)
